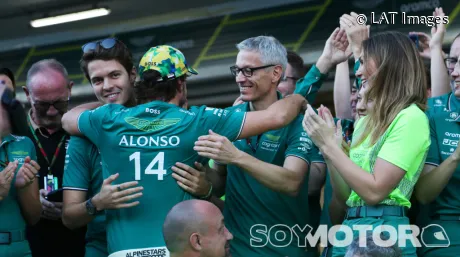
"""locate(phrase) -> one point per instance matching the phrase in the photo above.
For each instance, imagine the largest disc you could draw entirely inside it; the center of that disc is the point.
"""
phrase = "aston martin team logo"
(150, 125)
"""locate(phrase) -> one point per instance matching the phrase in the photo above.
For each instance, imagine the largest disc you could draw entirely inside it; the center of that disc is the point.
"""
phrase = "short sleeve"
(77, 168)
(309, 85)
(90, 122)
(298, 143)
(433, 157)
(316, 155)
(407, 140)
(225, 122)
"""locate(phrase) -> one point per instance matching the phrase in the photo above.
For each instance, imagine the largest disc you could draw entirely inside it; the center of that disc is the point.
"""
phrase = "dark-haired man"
(108, 65)
(294, 71)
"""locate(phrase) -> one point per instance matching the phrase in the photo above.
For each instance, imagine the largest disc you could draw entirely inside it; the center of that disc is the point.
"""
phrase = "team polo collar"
(248, 106)
(453, 103)
(7, 139)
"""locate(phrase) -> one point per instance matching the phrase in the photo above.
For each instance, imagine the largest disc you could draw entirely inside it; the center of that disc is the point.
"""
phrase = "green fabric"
(16, 249)
(451, 228)
(408, 251)
(96, 248)
(404, 144)
(447, 102)
(18, 148)
(445, 134)
(309, 85)
(143, 143)
(357, 80)
(249, 203)
(83, 172)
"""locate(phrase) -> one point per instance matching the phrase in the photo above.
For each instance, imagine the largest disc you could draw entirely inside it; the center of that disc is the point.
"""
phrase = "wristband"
(208, 196)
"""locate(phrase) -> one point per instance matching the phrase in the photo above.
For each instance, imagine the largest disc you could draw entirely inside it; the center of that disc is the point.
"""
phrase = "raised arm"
(342, 92)
(276, 116)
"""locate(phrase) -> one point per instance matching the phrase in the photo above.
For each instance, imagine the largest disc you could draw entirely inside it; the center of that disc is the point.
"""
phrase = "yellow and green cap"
(167, 60)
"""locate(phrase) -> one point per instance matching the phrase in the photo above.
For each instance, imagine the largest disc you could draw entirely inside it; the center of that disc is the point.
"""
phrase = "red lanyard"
(248, 142)
(56, 152)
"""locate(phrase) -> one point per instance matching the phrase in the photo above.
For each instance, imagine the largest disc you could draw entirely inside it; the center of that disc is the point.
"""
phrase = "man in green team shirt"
(438, 186)
(19, 197)
(266, 188)
(108, 66)
(147, 140)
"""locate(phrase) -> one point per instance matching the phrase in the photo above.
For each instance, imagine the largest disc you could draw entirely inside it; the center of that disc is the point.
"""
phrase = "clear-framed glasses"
(247, 72)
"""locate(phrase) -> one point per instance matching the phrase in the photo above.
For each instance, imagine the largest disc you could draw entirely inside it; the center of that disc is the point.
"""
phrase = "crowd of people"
(141, 173)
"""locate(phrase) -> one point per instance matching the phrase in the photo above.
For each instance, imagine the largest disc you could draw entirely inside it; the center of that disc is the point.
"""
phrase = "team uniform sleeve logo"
(150, 126)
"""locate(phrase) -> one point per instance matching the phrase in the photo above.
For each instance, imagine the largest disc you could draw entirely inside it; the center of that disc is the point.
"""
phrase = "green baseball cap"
(167, 60)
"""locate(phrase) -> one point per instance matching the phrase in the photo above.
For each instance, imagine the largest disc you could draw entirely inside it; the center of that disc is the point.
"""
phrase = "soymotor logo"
(281, 235)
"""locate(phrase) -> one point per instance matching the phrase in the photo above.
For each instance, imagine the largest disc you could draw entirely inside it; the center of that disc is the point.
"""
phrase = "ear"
(195, 242)
(26, 91)
(277, 73)
(180, 86)
(132, 75)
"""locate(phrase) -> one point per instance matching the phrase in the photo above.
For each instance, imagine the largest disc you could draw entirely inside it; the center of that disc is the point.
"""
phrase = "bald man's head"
(196, 226)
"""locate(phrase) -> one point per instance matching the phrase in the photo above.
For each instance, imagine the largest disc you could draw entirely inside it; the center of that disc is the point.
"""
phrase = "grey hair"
(46, 65)
(371, 249)
(271, 50)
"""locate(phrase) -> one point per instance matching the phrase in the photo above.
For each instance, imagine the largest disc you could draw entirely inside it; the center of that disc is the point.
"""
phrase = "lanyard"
(6, 162)
(254, 149)
(56, 152)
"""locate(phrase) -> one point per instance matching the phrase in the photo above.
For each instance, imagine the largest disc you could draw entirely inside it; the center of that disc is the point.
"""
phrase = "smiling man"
(108, 65)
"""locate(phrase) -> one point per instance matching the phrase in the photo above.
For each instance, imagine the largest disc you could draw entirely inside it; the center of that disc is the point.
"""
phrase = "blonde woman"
(389, 144)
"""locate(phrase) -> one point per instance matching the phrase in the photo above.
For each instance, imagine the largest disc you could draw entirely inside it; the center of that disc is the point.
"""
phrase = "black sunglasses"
(107, 43)
(247, 72)
(44, 106)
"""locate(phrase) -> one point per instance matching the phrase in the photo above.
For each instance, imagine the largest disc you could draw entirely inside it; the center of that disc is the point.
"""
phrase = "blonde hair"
(399, 81)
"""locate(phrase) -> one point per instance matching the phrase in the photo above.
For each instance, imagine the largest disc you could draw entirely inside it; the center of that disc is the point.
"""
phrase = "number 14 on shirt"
(160, 171)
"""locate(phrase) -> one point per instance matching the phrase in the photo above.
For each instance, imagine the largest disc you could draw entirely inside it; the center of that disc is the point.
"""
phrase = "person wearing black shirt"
(48, 92)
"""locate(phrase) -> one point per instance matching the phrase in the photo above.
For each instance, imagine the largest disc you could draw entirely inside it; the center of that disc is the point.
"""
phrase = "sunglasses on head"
(107, 43)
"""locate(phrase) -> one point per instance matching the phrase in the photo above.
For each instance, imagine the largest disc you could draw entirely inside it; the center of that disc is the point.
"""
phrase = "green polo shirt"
(83, 172)
(142, 143)
(14, 148)
(251, 206)
(309, 85)
(445, 134)
(405, 144)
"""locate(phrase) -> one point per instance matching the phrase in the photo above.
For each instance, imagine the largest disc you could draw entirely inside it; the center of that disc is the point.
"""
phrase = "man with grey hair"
(196, 228)
(366, 247)
(48, 92)
(266, 186)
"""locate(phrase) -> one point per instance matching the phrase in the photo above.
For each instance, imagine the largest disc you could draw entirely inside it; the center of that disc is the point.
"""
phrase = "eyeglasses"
(107, 43)
(287, 77)
(247, 72)
(451, 62)
(44, 106)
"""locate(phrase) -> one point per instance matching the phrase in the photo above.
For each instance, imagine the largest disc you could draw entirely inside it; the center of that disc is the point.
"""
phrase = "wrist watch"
(90, 208)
